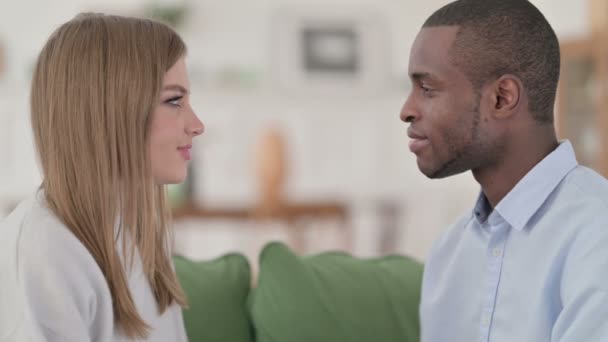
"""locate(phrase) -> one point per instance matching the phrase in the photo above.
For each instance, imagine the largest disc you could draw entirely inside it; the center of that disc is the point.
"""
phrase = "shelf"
(290, 212)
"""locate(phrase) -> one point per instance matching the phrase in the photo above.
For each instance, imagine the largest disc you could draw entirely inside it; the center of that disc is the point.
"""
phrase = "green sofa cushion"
(335, 297)
(217, 292)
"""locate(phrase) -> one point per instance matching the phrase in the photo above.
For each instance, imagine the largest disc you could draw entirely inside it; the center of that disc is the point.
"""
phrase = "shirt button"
(497, 252)
(485, 321)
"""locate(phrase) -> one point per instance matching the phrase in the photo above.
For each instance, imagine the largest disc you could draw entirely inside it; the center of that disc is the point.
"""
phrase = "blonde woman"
(87, 258)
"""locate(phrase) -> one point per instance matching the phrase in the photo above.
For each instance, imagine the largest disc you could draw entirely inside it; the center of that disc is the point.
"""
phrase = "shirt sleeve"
(65, 295)
(584, 290)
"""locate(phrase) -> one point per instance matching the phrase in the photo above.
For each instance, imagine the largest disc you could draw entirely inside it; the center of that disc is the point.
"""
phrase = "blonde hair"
(94, 89)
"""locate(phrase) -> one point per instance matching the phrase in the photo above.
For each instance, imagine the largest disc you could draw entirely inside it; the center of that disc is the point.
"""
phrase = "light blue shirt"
(535, 269)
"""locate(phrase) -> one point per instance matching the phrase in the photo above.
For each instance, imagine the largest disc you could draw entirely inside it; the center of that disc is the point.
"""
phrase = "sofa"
(328, 297)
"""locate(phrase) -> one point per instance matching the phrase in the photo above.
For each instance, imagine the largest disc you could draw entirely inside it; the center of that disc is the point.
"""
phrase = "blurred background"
(301, 103)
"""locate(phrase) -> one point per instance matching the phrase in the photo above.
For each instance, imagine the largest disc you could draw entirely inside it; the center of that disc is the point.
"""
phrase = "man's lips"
(418, 141)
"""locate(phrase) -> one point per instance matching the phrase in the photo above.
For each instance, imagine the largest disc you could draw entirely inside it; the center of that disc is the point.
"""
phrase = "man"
(530, 262)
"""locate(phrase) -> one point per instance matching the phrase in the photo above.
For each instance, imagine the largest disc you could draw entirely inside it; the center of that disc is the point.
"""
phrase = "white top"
(52, 290)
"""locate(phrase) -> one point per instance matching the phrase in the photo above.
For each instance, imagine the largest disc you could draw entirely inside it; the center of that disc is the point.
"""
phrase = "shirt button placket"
(495, 254)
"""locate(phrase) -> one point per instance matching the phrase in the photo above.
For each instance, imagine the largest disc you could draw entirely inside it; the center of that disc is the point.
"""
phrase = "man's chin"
(443, 172)
(428, 171)
(439, 172)
(435, 174)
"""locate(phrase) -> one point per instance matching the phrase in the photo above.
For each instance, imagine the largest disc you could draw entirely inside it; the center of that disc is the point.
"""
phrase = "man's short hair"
(498, 37)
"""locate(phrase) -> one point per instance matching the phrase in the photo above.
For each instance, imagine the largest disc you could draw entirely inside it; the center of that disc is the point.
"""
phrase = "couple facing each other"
(113, 125)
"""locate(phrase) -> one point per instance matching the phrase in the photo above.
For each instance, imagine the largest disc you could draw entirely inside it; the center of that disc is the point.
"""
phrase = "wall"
(343, 145)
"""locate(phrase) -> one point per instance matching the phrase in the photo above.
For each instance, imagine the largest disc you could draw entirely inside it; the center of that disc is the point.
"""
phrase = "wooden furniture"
(297, 217)
(582, 103)
(271, 170)
(289, 212)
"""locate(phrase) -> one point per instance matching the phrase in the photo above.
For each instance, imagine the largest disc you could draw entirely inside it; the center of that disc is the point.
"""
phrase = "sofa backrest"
(327, 297)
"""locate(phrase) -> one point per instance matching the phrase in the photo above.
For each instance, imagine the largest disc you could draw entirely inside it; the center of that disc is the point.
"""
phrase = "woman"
(87, 258)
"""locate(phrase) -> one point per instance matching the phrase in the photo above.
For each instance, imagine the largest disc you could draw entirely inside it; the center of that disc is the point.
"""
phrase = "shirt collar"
(524, 200)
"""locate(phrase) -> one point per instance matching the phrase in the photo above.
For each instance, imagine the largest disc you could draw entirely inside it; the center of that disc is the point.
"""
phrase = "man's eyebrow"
(176, 87)
(421, 76)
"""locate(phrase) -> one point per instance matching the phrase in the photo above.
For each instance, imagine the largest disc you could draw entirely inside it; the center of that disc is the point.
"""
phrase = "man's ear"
(507, 92)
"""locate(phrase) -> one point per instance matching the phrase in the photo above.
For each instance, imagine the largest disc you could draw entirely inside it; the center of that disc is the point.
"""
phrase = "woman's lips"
(185, 152)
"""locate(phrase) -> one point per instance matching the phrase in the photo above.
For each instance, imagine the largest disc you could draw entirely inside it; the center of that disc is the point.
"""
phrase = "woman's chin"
(173, 179)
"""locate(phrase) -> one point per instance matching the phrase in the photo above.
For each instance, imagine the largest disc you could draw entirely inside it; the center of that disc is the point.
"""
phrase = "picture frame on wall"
(330, 50)
(339, 50)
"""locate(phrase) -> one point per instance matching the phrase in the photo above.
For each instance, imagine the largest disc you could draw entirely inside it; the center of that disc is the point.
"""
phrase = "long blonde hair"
(94, 89)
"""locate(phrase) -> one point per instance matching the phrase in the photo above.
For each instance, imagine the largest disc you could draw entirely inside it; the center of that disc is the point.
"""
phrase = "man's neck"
(499, 179)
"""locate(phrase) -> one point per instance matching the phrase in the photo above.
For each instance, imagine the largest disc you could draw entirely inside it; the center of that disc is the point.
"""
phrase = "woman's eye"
(174, 101)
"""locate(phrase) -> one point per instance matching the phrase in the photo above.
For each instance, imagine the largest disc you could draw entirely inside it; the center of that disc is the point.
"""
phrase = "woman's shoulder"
(34, 241)
(33, 231)
(44, 264)
(14, 230)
